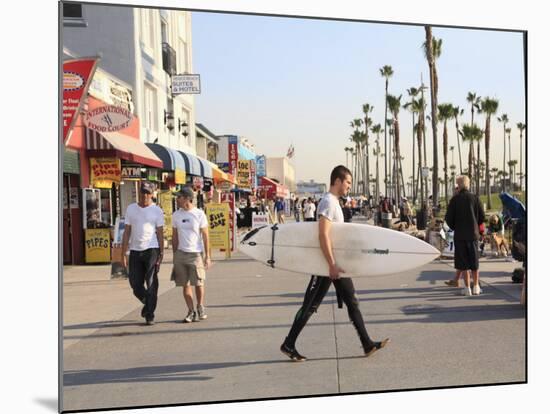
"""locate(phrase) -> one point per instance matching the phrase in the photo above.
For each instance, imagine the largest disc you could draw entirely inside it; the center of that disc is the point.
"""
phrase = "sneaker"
(196, 316)
(201, 312)
(375, 347)
(292, 353)
(466, 291)
(190, 317)
(452, 283)
(477, 290)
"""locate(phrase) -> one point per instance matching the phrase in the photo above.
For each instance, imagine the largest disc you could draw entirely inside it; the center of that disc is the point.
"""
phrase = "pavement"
(438, 337)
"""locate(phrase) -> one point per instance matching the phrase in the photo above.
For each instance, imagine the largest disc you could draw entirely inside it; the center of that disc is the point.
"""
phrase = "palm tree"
(521, 128)
(445, 113)
(494, 170)
(394, 104)
(488, 107)
(475, 102)
(377, 129)
(504, 119)
(512, 167)
(432, 48)
(348, 149)
(386, 72)
(471, 133)
(367, 121)
(412, 93)
(456, 112)
(509, 131)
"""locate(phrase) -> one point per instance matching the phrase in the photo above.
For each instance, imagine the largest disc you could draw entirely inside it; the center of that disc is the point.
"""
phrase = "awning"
(272, 188)
(206, 169)
(123, 146)
(171, 159)
(192, 164)
(220, 175)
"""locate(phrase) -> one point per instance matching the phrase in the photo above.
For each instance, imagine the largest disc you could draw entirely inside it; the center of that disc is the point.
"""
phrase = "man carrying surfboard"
(329, 211)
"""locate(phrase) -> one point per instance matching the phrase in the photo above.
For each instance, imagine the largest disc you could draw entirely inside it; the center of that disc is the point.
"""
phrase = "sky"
(280, 81)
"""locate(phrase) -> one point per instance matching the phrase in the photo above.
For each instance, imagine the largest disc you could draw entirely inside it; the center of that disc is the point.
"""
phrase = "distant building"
(282, 171)
(310, 189)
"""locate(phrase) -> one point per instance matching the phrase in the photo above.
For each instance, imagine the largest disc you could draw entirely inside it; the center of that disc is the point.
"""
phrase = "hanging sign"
(233, 150)
(105, 172)
(260, 166)
(186, 84)
(108, 118)
(243, 174)
(77, 74)
(130, 172)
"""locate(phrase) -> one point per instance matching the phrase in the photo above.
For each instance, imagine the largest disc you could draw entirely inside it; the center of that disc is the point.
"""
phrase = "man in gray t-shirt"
(329, 211)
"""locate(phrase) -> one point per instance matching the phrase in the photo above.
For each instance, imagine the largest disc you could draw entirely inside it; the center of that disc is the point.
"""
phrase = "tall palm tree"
(412, 93)
(367, 121)
(504, 119)
(348, 149)
(456, 113)
(386, 72)
(521, 128)
(494, 170)
(471, 133)
(509, 132)
(475, 104)
(394, 105)
(377, 129)
(432, 48)
(489, 107)
(445, 113)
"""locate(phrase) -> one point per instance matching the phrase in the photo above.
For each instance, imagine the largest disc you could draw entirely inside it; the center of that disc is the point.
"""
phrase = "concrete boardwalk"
(439, 338)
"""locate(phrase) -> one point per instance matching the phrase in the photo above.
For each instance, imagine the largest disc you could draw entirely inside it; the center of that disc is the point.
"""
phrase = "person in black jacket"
(464, 216)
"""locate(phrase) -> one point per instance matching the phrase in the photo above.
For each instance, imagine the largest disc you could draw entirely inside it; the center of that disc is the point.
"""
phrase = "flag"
(290, 151)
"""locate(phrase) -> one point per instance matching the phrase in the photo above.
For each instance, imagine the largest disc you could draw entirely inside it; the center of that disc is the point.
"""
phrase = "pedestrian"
(346, 210)
(280, 210)
(143, 235)
(309, 210)
(297, 210)
(190, 244)
(330, 212)
(464, 216)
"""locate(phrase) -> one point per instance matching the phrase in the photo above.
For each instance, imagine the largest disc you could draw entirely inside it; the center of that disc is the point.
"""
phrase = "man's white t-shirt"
(188, 225)
(329, 207)
(309, 210)
(144, 222)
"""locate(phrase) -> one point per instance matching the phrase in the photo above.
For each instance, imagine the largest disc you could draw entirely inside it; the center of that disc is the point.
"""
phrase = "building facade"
(280, 169)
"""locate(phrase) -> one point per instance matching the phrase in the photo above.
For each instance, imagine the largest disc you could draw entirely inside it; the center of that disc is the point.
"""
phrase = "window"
(169, 122)
(147, 28)
(150, 108)
(182, 56)
(73, 15)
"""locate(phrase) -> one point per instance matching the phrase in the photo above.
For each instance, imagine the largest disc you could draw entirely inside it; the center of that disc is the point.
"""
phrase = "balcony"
(168, 59)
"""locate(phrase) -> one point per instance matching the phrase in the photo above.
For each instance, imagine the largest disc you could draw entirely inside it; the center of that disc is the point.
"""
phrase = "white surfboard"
(359, 249)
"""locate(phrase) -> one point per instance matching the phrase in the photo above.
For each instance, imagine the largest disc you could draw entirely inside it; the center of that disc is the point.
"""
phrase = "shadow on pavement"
(49, 403)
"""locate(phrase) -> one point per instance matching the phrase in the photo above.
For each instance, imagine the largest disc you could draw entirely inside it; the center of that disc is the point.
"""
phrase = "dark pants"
(315, 292)
(143, 270)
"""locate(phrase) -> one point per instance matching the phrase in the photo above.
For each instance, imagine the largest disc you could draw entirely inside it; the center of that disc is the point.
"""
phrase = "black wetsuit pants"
(315, 292)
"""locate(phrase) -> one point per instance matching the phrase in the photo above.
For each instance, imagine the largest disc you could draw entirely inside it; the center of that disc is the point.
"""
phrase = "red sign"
(77, 75)
(252, 174)
(233, 157)
(230, 198)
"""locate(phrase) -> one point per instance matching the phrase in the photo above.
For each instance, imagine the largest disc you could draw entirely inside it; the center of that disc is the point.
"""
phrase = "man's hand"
(207, 263)
(334, 271)
(124, 259)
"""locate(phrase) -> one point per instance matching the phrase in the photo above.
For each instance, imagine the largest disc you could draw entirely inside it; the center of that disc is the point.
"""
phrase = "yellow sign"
(218, 225)
(179, 176)
(243, 174)
(104, 172)
(165, 203)
(97, 245)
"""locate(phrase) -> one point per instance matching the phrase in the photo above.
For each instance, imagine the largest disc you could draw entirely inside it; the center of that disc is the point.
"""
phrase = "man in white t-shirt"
(190, 242)
(143, 232)
(329, 212)
(309, 210)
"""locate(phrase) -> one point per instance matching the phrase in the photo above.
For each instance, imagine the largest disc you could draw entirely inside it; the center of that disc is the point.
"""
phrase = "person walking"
(190, 243)
(280, 210)
(309, 210)
(464, 216)
(297, 210)
(330, 212)
(143, 234)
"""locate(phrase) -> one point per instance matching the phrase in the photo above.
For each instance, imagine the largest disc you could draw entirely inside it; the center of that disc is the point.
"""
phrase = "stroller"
(515, 215)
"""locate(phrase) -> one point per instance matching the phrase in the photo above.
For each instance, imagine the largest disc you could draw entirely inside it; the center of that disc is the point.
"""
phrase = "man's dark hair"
(339, 172)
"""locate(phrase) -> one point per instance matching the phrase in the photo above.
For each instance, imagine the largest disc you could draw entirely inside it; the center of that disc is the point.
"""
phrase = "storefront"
(72, 211)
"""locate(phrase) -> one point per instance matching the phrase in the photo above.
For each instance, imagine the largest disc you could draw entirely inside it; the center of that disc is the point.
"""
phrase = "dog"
(498, 244)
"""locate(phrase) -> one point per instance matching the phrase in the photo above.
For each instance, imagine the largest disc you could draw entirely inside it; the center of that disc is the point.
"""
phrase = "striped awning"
(205, 168)
(122, 146)
(192, 164)
(172, 160)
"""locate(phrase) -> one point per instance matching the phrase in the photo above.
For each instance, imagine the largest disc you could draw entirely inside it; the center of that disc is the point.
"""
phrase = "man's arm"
(160, 238)
(125, 241)
(175, 239)
(325, 226)
(207, 260)
(450, 215)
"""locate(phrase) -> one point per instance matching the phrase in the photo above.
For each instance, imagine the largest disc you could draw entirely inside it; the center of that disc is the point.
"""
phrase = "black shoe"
(376, 346)
(149, 321)
(143, 312)
(292, 353)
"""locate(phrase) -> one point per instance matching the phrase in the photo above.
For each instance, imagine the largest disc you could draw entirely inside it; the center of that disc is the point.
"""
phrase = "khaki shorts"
(188, 269)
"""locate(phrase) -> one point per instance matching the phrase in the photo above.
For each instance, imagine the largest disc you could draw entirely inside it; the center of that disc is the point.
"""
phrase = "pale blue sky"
(279, 81)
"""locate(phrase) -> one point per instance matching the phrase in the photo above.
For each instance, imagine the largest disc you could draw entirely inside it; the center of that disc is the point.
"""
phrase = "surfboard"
(360, 249)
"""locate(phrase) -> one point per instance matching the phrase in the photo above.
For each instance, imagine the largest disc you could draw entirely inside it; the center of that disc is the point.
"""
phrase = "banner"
(243, 174)
(97, 245)
(253, 182)
(233, 152)
(77, 74)
(218, 225)
(104, 172)
(180, 177)
(260, 166)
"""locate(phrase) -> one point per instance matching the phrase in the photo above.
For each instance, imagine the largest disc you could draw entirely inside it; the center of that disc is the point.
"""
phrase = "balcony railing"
(168, 59)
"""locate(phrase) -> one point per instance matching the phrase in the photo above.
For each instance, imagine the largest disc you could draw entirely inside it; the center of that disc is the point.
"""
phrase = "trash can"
(386, 220)
(421, 219)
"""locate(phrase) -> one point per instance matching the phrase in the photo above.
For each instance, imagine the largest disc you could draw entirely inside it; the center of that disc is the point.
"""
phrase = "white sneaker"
(201, 312)
(466, 291)
(477, 290)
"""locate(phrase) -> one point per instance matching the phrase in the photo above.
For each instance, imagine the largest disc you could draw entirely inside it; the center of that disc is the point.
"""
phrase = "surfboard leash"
(271, 261)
